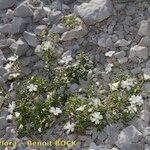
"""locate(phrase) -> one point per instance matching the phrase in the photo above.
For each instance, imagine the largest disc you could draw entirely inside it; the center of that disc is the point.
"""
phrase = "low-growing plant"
(70, 22)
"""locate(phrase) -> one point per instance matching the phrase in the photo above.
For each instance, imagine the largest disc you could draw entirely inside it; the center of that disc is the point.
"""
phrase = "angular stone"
(94, 11)
(138, 52)
(2, 58)
(54, 16)
(6, 43)
(39, 29)
(4, 4)
(145, 41)
(146, 73)
(144, 28)
(120, 54)
(20, 47)
(79, 32)
(6, 28)
(31, 38)
(122, 43)
(18, 25)
(129, 139)
(23, 10)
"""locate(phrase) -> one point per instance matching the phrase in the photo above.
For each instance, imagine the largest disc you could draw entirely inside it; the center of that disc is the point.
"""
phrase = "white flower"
(108, 68)
(127, 84)
(17, 114)
(13, 58)
(132, 109)
(47, 45)
(96, 101)
(69, 127)
(96, 117)
(9, 117)
(21, 126)
(13, 76)
(109, 54)
(81, 108)
(40, 130)
(11, 107)
(9, 66)
(66, 59)
(56, 111)
(32, 88)
(136, 100)
(114, 86)
(90, 110)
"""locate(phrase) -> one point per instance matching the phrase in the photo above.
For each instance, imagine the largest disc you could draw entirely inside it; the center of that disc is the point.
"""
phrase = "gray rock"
(31, 38)
(2, 71)
(120, 54)
(2, 58)
(23, 10)
(20, 47)
(2, 80)
(6, 43)
(94, 11)
(38, 15)
(93, 146)
(39, 51)
(122, 43)
(69, 1)
(144, 28)
(76, 33)
(4, 4)
(147, 147)
(129, 138)
(58, 29)
(54, 16)
(138, 52)
(123, 60)
(145, 41)
(112, 133)
(39, 29)
(145, 116)
(146, 73)
(18, 25)
(6, 28)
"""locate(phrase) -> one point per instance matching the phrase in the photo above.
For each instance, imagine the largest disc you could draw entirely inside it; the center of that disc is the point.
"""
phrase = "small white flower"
(136, 100)
(47, 45)
(108, 68)
(21, 127)
(9, 117)
(81, 108)
(17, 114)
(32, 88)
(96, 117)
(13, 58)
(9, 66)
(96, 101)
(13, 76)
(66, 59)
(11, 107)
(90, 110)
(69, 127)
(127, 84)
(39, 130)
(56, 111)
(114, 86)
(109, 54)
(132, 109)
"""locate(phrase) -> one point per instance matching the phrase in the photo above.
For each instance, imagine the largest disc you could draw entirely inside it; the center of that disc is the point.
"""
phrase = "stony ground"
(121, 28)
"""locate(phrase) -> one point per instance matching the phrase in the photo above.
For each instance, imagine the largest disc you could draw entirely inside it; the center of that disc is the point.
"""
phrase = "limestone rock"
(31, 38)
(23, 10)
(138, 52)
(4, 4)
(129, 138)
(144, 28)
(94, 11)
